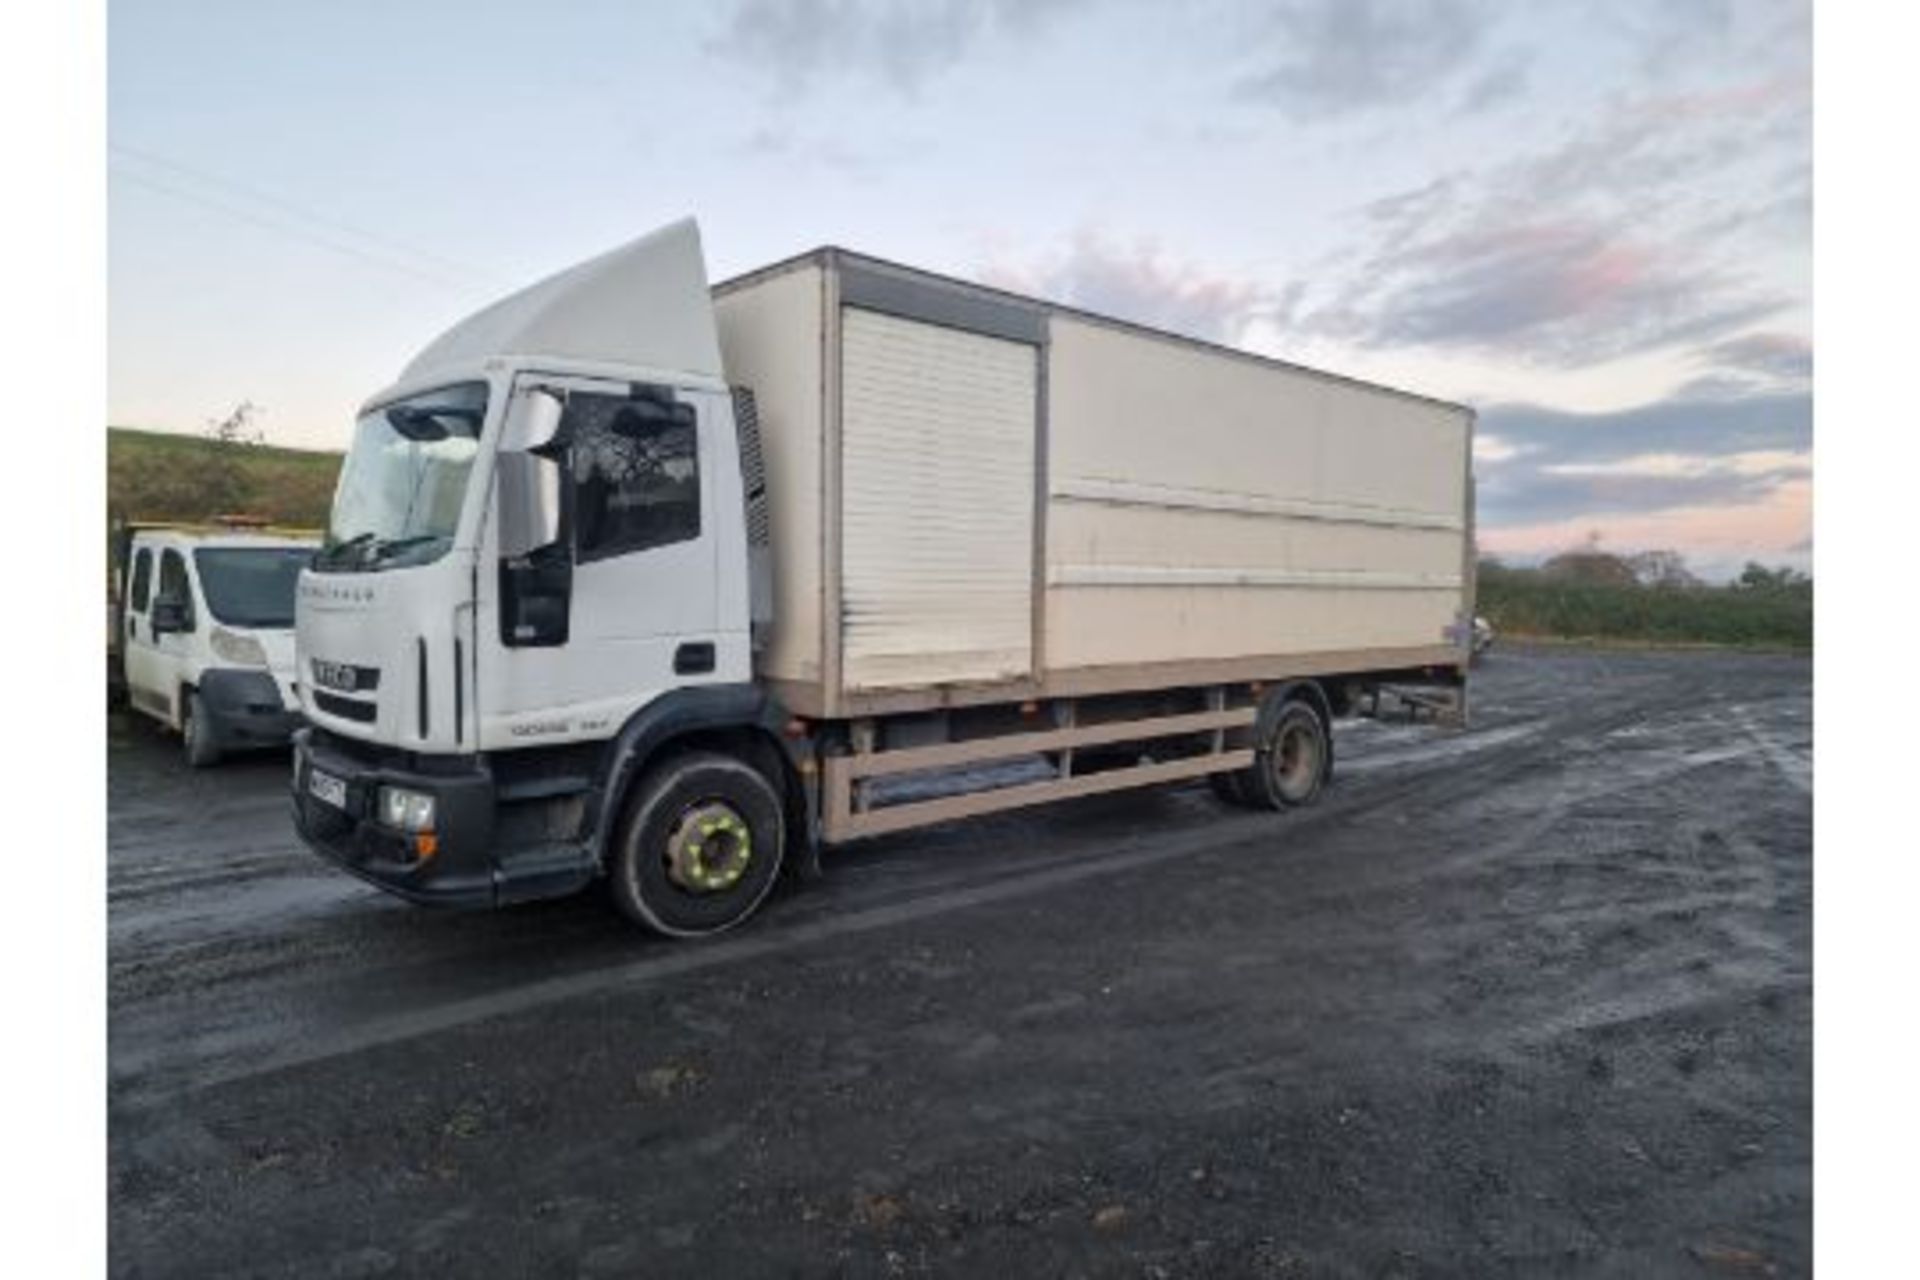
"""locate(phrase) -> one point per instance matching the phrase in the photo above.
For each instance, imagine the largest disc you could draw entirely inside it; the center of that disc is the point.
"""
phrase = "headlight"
(240, 650)
(404, 810)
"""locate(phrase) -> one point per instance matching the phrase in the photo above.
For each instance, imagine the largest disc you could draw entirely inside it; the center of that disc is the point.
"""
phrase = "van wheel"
(1292, 760)
(196, 733)
(700, 846)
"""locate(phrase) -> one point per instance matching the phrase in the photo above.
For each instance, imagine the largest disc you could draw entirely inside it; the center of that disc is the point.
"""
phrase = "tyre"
(699, 847)
(1292, 760)
(196, 733)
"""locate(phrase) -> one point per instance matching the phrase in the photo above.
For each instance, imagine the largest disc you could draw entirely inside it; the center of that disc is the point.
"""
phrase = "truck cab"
(206, 634)
(536, 562)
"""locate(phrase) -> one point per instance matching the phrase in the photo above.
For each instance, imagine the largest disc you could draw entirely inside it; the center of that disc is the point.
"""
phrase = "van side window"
(142, 580)
(636, 472)
(173, 581)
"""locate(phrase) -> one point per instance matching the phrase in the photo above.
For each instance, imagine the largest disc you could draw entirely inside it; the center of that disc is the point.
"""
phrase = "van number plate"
(326, 787)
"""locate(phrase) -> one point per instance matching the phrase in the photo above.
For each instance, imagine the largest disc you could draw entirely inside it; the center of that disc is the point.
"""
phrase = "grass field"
(1529, 603)
(153, 475)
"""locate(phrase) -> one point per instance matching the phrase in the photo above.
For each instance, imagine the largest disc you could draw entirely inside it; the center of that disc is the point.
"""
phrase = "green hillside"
(153, 475)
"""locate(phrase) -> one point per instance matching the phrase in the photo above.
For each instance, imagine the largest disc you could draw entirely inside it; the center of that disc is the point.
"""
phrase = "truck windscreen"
(251, 586)
(404, 481)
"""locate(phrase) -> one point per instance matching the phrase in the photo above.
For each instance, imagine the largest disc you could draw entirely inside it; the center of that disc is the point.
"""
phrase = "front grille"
(345, 708)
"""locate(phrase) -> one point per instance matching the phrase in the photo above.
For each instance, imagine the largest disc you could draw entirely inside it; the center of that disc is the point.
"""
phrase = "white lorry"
(205, 630)
(634, 580)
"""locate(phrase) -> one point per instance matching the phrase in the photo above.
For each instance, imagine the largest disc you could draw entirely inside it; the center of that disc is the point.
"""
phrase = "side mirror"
(529, 503)
(536, 570)
(169, 614)
(533, 422)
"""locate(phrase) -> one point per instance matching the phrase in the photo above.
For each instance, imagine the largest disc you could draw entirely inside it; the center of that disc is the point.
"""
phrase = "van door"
(144, 688)
(171, 660)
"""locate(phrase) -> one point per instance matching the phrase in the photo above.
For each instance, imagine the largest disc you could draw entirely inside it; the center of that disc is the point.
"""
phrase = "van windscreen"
(251, 586)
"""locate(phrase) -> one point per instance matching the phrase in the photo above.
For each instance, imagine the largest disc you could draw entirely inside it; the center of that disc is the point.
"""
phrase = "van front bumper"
(244, 709)
(458, 873)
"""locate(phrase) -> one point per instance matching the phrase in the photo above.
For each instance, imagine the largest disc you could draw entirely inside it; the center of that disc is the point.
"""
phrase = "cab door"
(596, 587)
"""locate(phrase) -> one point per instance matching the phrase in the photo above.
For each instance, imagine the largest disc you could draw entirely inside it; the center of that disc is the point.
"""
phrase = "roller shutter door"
(937, 496)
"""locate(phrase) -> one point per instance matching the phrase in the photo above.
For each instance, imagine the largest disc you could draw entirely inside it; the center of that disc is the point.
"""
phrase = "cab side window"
(142, 587)
(636, 473)
(173, 582)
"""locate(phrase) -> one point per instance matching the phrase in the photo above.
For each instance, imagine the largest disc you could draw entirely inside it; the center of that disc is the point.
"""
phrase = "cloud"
(1549, 496)
(1557, 437)
(1782, 357)
(1141, 284)
(1635, 232)
(1324, 58)
(799, 42)
(1562, 293)
(1667, 36)
(867, 162)
(1317, 60)
(1504, 80)
(1553, 466)
(1671, 31)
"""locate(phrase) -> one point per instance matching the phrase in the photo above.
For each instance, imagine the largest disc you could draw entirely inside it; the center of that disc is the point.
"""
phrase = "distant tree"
(225, 484)
(1757, 577)
(1590, 565)
(1661, 569)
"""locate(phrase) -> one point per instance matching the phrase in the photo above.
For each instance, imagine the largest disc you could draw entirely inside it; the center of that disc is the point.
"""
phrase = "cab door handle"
(695, 658)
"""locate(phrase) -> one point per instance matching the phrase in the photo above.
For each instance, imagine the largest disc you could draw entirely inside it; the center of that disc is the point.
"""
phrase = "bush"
(1532, 602)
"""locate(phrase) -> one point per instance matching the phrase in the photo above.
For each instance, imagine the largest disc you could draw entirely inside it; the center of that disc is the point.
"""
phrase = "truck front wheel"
(700, 846)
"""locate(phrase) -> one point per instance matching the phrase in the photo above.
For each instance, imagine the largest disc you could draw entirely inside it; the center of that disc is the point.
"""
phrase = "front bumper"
(245, 709)
(460, 873)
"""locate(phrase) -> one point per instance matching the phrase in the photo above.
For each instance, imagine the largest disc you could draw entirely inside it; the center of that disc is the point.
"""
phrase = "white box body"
(977, 496)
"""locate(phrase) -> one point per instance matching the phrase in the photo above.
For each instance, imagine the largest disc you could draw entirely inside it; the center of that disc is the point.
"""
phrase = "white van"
(207, 634)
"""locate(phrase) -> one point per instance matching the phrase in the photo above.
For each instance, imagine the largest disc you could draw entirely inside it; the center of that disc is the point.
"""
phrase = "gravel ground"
(1531, 998)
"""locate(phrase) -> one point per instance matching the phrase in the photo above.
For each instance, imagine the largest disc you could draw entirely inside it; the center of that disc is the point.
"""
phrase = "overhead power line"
(288, 218)
(288, 229)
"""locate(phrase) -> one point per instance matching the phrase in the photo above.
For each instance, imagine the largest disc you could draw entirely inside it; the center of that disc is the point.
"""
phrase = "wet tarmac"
(1533, 997)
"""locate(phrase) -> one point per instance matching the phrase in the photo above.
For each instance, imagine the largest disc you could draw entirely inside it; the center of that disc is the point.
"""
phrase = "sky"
(1592, 222)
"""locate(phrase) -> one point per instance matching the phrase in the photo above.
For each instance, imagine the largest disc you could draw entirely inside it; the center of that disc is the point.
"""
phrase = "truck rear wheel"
(1292, 760)
(700, 846)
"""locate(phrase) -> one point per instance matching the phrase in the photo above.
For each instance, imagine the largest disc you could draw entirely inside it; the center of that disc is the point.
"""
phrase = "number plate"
(325, 786)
